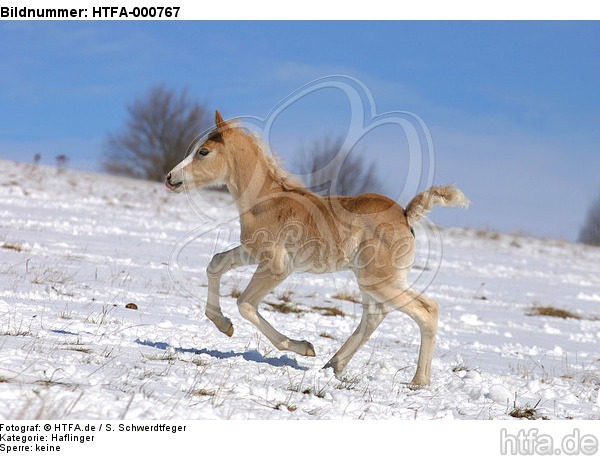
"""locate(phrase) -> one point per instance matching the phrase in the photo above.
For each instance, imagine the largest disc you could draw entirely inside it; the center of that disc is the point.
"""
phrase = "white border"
(301, 438)
(344, 10)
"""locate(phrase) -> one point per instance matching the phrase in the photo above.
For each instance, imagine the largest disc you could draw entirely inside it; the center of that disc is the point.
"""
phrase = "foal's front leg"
(219, 265)
(261, 284)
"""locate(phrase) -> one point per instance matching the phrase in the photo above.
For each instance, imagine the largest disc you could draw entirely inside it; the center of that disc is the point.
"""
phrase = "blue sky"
(513, 107)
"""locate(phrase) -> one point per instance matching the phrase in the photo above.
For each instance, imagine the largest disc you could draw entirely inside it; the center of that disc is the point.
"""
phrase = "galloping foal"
(285, 227)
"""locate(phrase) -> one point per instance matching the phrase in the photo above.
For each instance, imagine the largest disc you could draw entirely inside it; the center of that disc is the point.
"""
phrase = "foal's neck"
(251, 179)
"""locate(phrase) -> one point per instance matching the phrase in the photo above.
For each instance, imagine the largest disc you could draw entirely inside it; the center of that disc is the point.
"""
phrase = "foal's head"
(209, 162)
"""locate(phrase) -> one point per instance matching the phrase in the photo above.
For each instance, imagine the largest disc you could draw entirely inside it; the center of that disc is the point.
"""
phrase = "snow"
(75, 248)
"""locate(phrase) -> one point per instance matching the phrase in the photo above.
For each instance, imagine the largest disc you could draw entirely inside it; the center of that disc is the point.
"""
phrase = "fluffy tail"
(421, 204)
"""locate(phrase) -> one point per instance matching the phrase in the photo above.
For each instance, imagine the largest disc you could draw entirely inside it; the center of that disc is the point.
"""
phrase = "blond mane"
(273, 161)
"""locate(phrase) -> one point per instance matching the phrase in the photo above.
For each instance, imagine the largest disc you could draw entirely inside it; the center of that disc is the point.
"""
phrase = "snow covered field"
(76, 248)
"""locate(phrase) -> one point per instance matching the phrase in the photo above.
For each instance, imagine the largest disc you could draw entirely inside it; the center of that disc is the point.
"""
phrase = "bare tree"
(160, 128)
(590, 232)
(328, 169)
(61, 161)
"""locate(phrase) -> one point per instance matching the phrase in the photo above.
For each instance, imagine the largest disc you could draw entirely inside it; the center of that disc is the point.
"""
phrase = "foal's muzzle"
(172, 185)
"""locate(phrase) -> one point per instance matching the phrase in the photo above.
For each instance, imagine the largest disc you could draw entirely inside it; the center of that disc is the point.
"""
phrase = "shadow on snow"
(251, 355)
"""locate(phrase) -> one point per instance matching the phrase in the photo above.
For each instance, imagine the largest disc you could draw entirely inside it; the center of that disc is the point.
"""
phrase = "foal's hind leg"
(260, 285)
(424, 312)
(219, 265)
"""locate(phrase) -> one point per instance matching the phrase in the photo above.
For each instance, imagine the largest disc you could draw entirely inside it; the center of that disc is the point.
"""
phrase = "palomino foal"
(285, 227)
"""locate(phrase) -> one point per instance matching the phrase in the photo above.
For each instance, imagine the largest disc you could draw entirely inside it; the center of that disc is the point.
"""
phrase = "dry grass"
(15, 247)
(52, 276)
(287, 308)
(101, 318)
(344, 296)
(200, 362)
(527, 412)
(318, 393)
(168, 356)
(16, 328)
(549, 311)
(316, 390)
(77, 348)
(461, 366)
(15, 332)
(482, 234)
(288, 407)
(329, 311)
(284, 307)
(286, 296)
(348, 382)
(203, 392)
(49, 383)
(66, 315)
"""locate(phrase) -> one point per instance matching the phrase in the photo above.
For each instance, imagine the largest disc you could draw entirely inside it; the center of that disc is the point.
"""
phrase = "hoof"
(418, 384)
(301, 347)
(335, 366)
(223, 324)
(310, 350)
(226, 328)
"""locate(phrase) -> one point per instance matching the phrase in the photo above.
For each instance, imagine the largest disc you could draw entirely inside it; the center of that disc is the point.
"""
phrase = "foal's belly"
(319, 259)
(321, 267)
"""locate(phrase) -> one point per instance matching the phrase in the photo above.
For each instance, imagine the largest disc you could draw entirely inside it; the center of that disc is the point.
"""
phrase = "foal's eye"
(203, 152)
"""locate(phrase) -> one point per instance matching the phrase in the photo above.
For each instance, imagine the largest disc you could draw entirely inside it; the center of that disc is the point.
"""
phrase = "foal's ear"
(219, 122)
